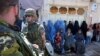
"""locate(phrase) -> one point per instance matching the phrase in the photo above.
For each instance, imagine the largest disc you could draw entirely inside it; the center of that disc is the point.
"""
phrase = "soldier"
(36, 32)
(11, 42)
(8, 42)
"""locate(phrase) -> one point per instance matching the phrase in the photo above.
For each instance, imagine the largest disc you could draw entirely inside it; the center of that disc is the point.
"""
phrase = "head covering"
(51, 31)
(30, 12)
(76, 27)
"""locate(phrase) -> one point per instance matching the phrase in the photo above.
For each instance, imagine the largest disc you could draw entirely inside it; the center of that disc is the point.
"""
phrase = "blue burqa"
(51, 31)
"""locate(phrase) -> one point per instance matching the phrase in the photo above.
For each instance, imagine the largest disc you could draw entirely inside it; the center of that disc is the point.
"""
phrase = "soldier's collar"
(32, 23)
(3, 22)
(15, 27)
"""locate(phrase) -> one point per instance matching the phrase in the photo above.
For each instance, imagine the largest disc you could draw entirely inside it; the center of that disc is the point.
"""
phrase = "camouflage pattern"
(34, 34)
(8, 44)
(31, 12)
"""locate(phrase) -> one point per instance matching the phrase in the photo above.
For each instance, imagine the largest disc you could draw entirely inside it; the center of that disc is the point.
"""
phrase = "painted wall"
(89, 16)
(95, 14)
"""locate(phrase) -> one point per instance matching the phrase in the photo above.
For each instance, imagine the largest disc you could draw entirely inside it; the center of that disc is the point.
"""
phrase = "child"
(80, 47)
(69, 41)
(58, 40)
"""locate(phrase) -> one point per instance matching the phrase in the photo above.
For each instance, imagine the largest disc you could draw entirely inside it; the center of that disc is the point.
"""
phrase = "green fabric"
(33, 30)
(17, 53)
(15, 50)
(34, 35)
(2, 22)
(11, 50)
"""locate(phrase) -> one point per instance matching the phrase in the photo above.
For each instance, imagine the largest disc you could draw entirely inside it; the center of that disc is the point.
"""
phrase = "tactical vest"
(34, 34)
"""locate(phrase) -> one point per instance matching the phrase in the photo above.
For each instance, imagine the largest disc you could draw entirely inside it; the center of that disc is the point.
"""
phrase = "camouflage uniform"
(34, 34)
(8, 44)
(12, 43)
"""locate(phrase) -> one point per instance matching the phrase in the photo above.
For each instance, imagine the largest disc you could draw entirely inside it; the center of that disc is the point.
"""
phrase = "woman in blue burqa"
(50, 32)
(60, 26)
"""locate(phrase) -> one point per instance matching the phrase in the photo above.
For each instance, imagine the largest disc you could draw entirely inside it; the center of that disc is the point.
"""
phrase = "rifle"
(22, 41)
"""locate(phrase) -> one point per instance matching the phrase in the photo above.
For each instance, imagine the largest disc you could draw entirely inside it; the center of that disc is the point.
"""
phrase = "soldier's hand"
(43, 37)
(36, 46)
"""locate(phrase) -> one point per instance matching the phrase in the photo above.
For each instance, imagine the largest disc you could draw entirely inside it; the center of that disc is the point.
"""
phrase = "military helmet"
(30, 12)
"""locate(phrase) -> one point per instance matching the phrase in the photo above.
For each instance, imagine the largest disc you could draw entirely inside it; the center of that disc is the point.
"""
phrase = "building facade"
(71, 10)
